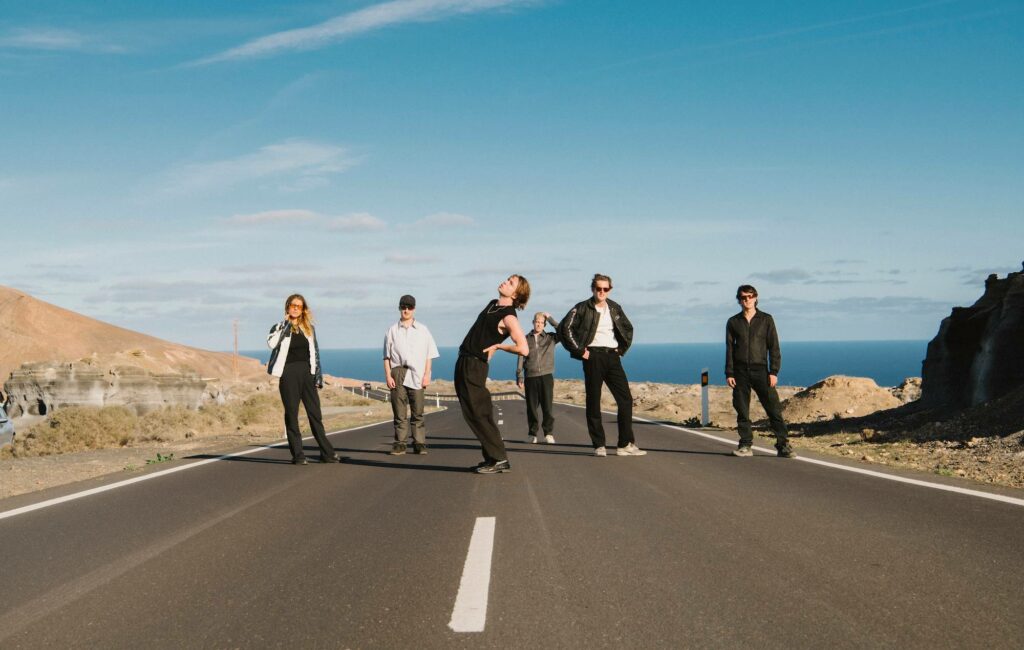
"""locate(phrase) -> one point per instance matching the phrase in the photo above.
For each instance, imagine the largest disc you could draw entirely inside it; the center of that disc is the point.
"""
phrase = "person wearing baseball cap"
(409, 350)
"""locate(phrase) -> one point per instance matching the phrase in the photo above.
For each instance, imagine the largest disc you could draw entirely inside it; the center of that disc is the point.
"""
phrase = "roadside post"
(704, 420)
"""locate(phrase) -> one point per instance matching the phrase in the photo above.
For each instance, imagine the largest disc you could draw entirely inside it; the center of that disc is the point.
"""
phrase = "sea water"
(803, 363)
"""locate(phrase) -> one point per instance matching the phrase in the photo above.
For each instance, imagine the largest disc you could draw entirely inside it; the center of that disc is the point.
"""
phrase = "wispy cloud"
(55, 40)
(273, 216)
(357, 222)
(368, 19)
(444, 220)
(663, 285)
(398, 258)
(290, 164)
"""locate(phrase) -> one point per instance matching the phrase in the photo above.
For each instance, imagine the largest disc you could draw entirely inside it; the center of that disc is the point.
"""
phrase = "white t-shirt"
(605, 336)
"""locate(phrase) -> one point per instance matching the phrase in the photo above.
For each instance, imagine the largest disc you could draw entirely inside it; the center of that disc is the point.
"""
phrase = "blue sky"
(172, 167)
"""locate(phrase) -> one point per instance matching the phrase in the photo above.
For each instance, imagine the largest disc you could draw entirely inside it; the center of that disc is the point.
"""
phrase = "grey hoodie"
(542, 353)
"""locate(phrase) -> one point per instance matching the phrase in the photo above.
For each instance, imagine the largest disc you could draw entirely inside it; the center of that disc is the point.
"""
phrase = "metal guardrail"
(385, 395)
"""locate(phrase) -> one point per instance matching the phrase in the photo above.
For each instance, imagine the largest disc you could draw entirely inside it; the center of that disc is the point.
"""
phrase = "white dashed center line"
(470, 612)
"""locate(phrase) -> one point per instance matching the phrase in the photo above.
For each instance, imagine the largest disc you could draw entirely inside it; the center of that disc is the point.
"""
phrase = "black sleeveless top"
(484, 332)
(298, 349)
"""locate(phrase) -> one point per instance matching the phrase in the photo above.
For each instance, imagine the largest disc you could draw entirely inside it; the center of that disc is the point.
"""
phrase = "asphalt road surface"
(685, 547)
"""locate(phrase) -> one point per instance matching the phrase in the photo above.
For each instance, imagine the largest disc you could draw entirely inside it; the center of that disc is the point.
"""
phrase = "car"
(6, 428)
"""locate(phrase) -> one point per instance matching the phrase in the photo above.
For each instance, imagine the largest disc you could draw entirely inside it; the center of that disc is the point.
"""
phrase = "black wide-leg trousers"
(756, 378)
(605, 367)
(477, 410)
(540, 394)
(297, 384)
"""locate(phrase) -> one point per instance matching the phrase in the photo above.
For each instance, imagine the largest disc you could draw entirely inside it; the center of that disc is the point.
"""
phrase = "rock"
(40, 388)
(978, 353)
(838, 397)
(908, 391)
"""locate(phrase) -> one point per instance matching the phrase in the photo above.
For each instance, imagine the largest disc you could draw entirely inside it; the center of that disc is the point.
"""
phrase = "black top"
(752, 344)
(484, 332)
(298, 349)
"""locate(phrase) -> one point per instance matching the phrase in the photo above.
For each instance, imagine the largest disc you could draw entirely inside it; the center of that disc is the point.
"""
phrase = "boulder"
(838, 396)
(978, 353)
(41, 388)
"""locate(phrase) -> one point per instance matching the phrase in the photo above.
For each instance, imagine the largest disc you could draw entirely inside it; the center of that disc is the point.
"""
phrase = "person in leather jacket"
(597, 332)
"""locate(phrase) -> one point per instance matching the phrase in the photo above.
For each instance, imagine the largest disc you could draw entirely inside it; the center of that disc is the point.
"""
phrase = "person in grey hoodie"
(539, 381)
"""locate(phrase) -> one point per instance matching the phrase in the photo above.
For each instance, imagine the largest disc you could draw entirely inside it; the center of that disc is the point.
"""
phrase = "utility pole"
(234, 359)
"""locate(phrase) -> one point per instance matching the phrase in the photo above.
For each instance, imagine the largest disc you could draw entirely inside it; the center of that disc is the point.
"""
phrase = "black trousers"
(756, 378)
(477, 410)
(605, 367)
(297, 384)
(540, 393)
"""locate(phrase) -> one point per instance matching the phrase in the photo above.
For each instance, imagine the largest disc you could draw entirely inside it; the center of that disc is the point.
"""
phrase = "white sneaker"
(550, 439)
(533, 439)
(601, 451)
(630, 450)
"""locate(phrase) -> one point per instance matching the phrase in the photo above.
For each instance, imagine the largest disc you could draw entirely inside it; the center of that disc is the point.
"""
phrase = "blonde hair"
(304, 322)
(540, 315)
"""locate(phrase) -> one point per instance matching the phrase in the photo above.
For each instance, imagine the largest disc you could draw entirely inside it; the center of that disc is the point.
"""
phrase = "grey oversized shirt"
(542, 354)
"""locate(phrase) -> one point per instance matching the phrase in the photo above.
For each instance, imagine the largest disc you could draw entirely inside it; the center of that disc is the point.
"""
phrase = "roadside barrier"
(382, 395)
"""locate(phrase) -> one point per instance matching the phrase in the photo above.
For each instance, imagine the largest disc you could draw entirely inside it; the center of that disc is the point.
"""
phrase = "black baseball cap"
(407, 301)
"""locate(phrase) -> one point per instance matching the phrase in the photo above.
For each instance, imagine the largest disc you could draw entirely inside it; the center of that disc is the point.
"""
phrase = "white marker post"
(704, 419)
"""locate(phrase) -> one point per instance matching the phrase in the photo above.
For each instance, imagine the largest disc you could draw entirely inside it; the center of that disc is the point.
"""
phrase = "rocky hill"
(978, 354)
(32, 331)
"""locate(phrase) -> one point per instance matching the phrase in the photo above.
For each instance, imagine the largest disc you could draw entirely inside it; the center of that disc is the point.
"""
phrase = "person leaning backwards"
(753, 359)
(409, 350)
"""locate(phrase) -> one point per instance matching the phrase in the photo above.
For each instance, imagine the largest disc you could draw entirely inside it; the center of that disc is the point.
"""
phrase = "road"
(685, 547)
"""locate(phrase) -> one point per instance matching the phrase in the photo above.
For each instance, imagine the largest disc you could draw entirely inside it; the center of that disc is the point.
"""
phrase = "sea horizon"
(804, 363)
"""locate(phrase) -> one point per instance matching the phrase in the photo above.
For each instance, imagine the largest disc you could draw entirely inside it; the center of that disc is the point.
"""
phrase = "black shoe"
(419, 449)
(335, 458)
(785, 451)
(496, 468)
(397, 449)
(300, 461)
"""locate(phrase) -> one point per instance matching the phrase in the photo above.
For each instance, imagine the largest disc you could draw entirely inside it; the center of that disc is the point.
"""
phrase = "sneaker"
(743, 450)
(785, 451)
(419, 449)
(397, 449)
(300, 461)
(532, 440)
(601, 451)
(550, 439)
(499, 467)
(630, 450)
(333, 458)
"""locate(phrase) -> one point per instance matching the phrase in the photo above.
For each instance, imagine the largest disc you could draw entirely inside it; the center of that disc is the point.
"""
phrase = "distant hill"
(35, 331)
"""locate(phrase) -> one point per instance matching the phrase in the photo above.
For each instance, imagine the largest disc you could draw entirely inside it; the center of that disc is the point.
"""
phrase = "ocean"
(803, 363)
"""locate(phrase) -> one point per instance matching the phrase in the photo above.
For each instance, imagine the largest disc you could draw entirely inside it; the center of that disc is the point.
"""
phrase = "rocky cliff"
(41, 388)
(978, 354)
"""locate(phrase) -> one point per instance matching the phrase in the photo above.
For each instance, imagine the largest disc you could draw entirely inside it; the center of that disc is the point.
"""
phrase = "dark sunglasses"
(747, 297)
(602, 289)
(406, 307)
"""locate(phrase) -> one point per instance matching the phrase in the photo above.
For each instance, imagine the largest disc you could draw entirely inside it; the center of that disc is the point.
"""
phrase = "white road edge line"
(470, 611)
(856, 470)
(138, 479)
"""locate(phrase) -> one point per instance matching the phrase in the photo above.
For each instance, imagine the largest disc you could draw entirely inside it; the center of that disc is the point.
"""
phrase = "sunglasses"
(747, 297)
(295, 306)
(602, 289)
(406, 307)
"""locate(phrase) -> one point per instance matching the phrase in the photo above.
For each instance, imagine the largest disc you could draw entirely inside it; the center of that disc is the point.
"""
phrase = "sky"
(174, 167)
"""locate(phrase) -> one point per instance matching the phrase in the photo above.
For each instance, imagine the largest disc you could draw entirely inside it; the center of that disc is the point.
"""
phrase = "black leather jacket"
(579, 327)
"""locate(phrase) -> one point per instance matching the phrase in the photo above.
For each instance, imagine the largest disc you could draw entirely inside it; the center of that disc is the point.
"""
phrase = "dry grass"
(80, 428)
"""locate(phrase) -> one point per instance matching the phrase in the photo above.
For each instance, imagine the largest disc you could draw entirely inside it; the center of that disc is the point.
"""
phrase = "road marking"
(139, 479)
(470, 612)
(856, 470)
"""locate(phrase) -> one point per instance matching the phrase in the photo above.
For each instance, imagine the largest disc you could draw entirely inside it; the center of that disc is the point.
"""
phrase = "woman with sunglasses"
(295, 359)
(495, 323)
(597, 332)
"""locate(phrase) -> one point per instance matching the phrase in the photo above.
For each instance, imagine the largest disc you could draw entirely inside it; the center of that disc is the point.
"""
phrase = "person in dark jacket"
(753, 359)
(295, 359)
(535, 376)
(597, 332)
